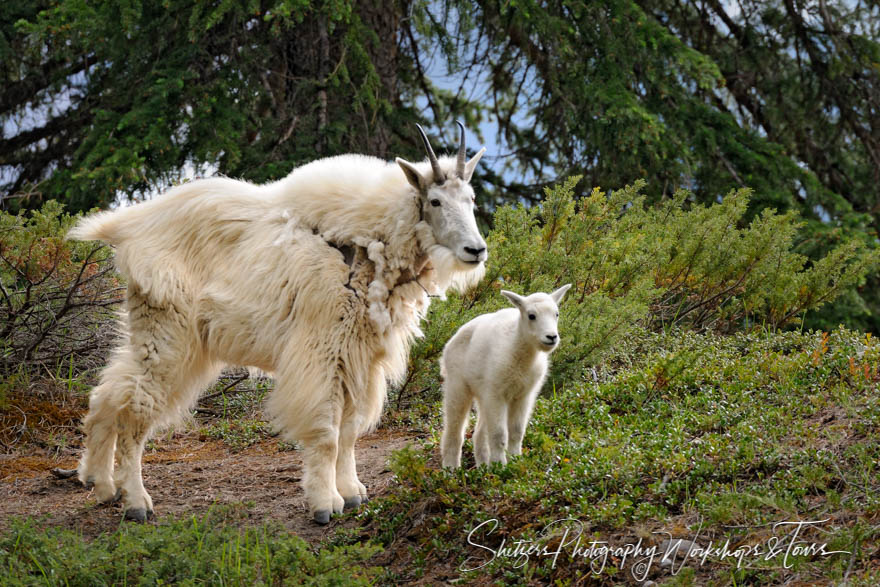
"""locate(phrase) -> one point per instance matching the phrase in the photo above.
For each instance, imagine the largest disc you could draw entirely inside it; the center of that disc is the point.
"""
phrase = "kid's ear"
(559, 293)
(515, 299)
(413, 176)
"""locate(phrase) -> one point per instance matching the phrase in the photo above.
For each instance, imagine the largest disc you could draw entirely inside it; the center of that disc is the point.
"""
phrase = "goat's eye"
(557, 314)
(435, 202)
(531, 316)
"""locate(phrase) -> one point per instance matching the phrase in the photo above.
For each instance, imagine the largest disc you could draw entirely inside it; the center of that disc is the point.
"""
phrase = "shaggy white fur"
(500, 361)
(320, 278)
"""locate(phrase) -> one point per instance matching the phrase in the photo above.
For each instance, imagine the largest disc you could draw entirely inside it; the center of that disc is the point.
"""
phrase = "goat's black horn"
(435, 165)
(462, 152)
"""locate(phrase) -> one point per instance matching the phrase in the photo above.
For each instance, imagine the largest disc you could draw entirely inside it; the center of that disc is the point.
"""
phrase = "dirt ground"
(186, 474)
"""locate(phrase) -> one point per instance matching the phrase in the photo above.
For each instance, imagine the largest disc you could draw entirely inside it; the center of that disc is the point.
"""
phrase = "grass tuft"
(217, 548)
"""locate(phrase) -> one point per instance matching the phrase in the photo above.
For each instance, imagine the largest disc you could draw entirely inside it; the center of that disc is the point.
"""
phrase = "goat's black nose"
(473, 251)
(552, 337)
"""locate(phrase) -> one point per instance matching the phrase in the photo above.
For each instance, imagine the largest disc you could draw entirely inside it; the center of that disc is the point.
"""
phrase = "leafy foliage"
(56, 295)
(674, 264)
(693, 433)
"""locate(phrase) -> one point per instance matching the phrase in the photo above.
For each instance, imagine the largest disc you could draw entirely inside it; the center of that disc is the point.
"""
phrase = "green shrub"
(676, 264)
(55, 295)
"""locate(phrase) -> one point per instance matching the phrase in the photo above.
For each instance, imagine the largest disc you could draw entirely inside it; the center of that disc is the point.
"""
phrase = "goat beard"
(444, 270)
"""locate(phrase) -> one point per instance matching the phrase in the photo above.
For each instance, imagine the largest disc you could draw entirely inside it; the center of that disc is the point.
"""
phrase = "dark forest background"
(101, 101)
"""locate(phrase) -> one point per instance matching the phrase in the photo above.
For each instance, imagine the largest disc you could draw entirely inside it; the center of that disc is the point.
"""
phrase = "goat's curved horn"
(462, 154)
(435, 165)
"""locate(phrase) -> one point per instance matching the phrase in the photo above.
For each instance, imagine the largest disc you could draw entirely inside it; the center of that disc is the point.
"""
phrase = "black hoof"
(322, 517)
(116, 497)
(64, 473)
(352, 503)
(138, 514)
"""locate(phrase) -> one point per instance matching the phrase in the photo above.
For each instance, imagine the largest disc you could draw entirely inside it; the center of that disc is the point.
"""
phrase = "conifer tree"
(102, 99)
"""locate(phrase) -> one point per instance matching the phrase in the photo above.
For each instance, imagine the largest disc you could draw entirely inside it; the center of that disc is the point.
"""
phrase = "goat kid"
(498, 361)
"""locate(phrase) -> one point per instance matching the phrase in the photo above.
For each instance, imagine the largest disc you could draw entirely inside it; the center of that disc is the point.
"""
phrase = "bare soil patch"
(186, 474)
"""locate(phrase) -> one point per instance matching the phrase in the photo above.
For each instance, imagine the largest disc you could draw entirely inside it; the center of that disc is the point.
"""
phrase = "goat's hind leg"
(165, 371)
(100, 425)
(134, 424)
(348, 485)
(481, 439)
(143, 403)
(96, 464)
(165, 387)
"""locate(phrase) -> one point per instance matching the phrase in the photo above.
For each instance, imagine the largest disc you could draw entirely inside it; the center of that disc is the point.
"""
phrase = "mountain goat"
(500, 360)
(320, 278)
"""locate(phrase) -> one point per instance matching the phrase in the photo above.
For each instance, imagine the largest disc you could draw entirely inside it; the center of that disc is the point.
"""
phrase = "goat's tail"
(96, 227)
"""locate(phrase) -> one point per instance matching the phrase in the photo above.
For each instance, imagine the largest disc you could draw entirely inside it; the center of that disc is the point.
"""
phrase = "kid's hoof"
(322, 517)
(138, 514)
(64, 473)
(352, 503)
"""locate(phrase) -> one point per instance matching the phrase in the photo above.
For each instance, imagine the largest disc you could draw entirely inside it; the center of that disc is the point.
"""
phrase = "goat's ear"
(559, 293)
(472, 164)
(515, 299)
(413, 176)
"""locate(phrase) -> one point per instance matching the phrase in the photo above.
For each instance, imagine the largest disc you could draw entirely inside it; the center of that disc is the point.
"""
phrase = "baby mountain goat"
(500, 360)
(320, 278)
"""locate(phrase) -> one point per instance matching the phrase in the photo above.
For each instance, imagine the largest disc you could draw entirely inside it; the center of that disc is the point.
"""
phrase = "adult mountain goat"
(320, 278)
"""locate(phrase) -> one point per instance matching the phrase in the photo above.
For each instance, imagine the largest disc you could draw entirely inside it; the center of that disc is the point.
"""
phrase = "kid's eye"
(435, 202)
(531, 316)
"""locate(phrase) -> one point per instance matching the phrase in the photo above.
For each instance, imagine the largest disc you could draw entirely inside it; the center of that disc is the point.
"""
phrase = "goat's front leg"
(491, 434)
(320, 451)
(457, 401)
(347, 483)
(517, 419)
